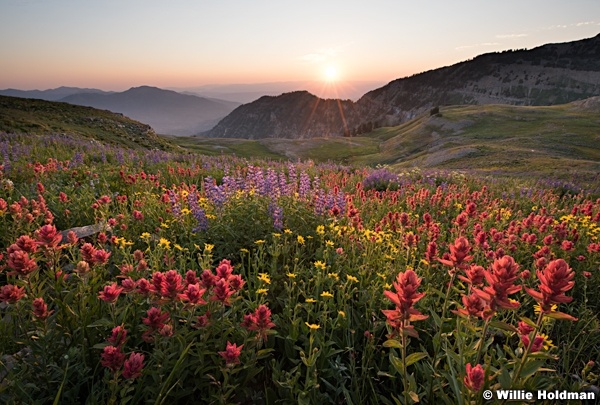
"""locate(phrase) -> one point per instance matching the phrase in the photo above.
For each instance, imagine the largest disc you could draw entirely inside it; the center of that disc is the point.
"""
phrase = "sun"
(331, 74)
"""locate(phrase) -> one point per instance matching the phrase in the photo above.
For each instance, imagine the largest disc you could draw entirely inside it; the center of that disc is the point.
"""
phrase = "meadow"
(146, 276)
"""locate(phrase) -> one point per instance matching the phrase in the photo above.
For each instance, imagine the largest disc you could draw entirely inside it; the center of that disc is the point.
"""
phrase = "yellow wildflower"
(342, 314)
(259, 242)
(262, 291)
(326, 294)
(352, 278)
(208, 247)
(287, 231)
(186, 211)
(244, 250)
(164, 243)
(319, 265)
(276, 235)
(178, 247)
(547, 342)
(264, 277)
(300, 239)
(320, 230)
(184, 193)
(145, 236)
(291, 275)
(334, 276)
(164, 225)
(312, 326)
(537, 309)
(329, 243)
(310, 300)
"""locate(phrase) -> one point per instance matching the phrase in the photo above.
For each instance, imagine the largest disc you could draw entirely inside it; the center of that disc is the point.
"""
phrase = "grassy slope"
(558, 141)
(31, 116)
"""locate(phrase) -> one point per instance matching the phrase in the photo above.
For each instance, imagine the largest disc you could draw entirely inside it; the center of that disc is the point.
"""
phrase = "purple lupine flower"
(197, 212)
(276, 213)
(304, 185)
(214, 193)
(175, 207)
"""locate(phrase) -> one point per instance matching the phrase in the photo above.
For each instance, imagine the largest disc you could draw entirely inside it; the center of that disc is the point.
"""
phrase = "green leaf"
(396, 362)
(531, 367)
(528, 321)
(503, 326)
(101, 323)
(414, 357)
(561, 315)
(504, 378)
(392, 343)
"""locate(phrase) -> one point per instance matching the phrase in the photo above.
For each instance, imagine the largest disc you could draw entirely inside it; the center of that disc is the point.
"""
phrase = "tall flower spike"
(405, 297)
(459, 253)
(474, 378)
(500, 278)
(231, 354)
(555, 280)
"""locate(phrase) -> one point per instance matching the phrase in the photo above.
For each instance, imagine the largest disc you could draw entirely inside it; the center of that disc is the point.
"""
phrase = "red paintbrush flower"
(118, 336)
(459, 253)
(110, 293)
(231, 354)
(112, 358)
(193, 294)
(48, 236)
(133, 366)
(555, 280)
(475, 377)
(40, 309)
(404, 298)
(500, 279)
(21, 263)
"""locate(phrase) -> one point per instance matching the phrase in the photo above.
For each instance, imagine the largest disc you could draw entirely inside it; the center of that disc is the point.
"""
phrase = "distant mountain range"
(248, 92)
(166, 111)
(50, 94)
(547, 75)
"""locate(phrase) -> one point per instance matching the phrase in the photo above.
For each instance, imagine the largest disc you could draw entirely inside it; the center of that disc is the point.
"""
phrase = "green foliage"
(323, 275)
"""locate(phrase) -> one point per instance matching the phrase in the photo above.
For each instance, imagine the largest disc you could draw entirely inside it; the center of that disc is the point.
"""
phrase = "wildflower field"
(134, 277)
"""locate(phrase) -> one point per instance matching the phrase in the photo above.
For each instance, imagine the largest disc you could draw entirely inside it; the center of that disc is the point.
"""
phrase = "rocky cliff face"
(295, 115)
(547, 75)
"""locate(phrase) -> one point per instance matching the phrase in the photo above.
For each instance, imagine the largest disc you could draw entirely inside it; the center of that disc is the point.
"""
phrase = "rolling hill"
(32, 116)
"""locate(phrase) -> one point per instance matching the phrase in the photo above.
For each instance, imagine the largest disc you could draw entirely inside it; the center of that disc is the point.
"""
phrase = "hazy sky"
(117, 44)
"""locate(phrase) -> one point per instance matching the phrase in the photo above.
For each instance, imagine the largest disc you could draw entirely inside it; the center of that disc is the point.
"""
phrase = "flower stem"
(480, 350)
(528, 348)
(439, 333)
(404, 373)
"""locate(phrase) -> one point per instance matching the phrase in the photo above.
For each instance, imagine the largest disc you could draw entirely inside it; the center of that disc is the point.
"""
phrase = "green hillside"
(557, 141)
(31, 116)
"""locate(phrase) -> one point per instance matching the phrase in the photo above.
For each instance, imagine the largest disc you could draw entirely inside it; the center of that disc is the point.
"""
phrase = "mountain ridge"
(546, 75)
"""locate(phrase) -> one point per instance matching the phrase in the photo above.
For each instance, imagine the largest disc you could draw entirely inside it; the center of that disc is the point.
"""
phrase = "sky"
(118, 44)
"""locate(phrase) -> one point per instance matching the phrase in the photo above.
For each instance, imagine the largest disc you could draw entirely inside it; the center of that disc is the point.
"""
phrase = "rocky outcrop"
(547, 75)
(295, 115)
